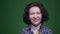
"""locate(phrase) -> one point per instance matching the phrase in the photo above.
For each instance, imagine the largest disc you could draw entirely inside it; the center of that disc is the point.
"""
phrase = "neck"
(36, 27)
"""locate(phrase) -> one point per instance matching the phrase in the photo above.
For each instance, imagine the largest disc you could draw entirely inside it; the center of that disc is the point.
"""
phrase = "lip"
(35, 20)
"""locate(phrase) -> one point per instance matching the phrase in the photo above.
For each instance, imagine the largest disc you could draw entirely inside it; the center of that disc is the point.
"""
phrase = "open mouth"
(35, 20)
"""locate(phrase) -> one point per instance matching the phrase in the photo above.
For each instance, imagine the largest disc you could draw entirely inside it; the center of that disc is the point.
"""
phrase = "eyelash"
(33, 13)
(38, 13)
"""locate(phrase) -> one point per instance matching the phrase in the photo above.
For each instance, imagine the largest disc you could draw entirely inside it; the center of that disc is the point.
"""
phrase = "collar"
(35, 28)
(29, 27)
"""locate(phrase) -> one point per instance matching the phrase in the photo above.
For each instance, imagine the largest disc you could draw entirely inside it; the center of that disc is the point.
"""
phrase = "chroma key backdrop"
(11, 15)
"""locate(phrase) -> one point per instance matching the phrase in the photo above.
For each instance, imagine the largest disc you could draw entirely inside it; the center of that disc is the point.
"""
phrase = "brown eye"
(38, 13)
(31, 13)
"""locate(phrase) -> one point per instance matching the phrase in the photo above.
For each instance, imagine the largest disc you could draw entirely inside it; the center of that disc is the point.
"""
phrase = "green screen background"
(11, 15)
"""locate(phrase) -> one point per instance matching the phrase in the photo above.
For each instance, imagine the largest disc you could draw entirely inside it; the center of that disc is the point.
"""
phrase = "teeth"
(35, 20)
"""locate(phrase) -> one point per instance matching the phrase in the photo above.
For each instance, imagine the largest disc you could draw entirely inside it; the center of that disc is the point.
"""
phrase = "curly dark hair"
(43, 12)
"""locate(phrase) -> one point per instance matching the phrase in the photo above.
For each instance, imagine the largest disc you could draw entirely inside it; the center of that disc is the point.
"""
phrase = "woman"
(34, 16)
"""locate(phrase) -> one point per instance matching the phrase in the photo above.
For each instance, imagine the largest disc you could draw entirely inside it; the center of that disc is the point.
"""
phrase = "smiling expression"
(35, 15)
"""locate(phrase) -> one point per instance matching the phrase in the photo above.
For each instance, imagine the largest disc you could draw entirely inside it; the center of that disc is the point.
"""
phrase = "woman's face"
(35, 15)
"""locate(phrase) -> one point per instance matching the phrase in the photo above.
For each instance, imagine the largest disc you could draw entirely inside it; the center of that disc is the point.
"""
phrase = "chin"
(36, 24)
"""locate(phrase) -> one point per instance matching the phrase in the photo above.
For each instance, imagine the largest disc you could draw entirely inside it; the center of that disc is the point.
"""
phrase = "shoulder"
(46, 29)
(25, 30)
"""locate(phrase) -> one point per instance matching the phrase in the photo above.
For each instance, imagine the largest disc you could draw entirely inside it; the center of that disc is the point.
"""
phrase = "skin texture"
(35, 15)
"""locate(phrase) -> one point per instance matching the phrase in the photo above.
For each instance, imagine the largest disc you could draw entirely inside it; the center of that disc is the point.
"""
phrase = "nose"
(35, 16)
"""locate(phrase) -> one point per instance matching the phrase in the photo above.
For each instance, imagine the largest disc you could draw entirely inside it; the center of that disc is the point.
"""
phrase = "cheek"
(40, 16)
(31, 16)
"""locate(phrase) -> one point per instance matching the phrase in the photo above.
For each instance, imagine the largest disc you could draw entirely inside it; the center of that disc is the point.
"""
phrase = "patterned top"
(43, 30)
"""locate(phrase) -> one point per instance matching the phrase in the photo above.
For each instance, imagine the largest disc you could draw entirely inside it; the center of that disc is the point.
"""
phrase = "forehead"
(34, 9)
